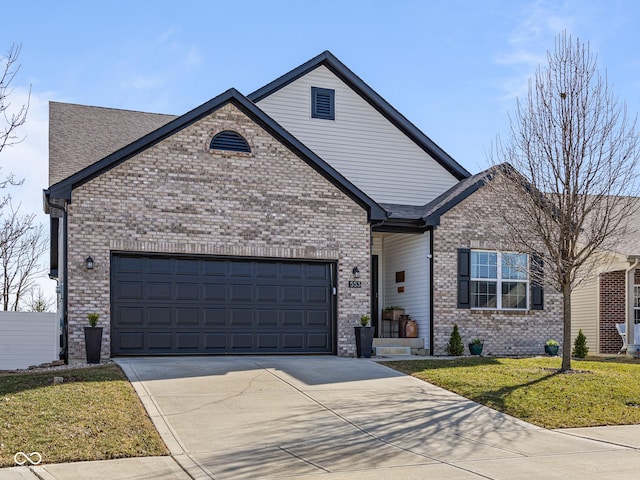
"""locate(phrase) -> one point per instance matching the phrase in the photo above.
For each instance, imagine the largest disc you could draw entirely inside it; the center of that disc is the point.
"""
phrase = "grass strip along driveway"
(94, 414)
(598, 392)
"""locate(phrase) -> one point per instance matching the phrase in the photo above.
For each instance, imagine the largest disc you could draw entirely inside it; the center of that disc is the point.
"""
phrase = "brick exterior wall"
(472, 224)
(180, 197)
(612, 310)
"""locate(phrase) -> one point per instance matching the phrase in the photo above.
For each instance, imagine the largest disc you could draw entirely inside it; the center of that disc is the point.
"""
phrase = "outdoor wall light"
(89, 262)
(356, 272)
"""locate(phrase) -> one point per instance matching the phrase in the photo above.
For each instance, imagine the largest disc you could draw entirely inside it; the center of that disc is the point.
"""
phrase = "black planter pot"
(475, 348)
(364, 341)
(551, 350)
(93, 343)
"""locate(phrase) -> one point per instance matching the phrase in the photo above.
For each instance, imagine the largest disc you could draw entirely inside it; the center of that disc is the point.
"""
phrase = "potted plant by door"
(475, 347)
(551, 348)
(93, 338)
(364, 337)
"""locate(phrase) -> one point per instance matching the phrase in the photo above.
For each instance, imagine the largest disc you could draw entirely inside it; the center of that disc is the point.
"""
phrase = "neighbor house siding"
(584, 313)
(409, 254)
(612, 310)
(475, 223)
(178, 197)
(360, 143)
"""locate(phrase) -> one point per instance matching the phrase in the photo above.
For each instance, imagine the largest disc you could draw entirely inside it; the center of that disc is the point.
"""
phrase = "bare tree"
(575, 155)
(37, 301)
(22, 243)
(13, 118)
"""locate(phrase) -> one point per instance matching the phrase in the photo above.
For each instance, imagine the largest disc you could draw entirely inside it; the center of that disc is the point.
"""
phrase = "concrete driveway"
(339, 418)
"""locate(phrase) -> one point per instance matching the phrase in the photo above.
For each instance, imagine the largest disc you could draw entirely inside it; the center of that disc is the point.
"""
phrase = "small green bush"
(93, 319)
(580, 348)
(455, 347)
(364, 320)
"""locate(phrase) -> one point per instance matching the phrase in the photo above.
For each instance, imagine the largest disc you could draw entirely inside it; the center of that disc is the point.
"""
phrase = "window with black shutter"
(323, 103)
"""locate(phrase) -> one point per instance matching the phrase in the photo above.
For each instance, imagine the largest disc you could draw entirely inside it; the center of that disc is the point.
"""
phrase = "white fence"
(28, 338)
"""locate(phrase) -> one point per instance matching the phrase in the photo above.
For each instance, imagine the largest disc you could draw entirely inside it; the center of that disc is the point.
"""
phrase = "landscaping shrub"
(580, 348)
(455, 347)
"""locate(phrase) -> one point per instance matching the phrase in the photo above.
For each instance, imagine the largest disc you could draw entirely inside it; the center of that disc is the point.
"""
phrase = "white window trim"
(499, 281)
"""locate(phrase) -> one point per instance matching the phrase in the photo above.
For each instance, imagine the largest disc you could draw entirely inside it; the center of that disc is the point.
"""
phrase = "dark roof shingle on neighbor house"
(80, 135)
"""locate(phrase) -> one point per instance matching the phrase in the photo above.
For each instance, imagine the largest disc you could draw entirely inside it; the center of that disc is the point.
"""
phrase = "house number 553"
(355, 284)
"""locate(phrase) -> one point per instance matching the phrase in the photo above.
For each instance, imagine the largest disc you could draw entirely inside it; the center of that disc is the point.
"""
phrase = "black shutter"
(537, 291)
(464, 278)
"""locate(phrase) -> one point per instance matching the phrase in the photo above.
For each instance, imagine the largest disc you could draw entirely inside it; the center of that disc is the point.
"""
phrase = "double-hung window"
(499, 280)
(636, 303)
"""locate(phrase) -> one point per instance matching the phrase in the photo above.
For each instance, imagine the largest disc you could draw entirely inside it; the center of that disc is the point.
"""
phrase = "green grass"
(95, 414)
(604, 391)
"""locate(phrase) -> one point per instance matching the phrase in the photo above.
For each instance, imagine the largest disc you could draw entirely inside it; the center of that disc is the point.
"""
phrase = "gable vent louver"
(323, 103)
(229, 140)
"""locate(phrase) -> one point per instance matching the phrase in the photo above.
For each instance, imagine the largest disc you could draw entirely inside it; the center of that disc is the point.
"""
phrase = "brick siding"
(180, 197)
(612, 309)
(473, 224)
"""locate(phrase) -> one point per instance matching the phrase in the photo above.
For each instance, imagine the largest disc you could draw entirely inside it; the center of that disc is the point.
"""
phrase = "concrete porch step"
(390, 350)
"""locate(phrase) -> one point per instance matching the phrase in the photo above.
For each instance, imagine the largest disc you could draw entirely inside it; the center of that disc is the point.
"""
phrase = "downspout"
(629, 303)
(64, 330)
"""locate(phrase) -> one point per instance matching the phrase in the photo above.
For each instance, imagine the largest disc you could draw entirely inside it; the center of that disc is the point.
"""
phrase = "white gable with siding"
(360, 143)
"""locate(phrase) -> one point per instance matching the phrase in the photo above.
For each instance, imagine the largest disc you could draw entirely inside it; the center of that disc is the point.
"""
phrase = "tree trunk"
(566, 322)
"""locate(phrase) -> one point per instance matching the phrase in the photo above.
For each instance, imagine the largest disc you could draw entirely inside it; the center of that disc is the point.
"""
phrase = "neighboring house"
(269, 223)
(610, 296)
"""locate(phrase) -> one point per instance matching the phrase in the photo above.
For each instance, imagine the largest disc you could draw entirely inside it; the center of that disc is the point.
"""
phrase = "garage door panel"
(187, 291)
(216, 292)
(131, 315)
(159, 290)
(187, 316)
(266, 318)
(215, 316)
(159, 316)
(241, 341)
(159, 265)
(164, 305)
(240, 317)
(293, 318)
(291, 270)
(317, 294)
(159, 341)
(130, 341)
(266, 293)
(318, 341)
(130, 289)
(294, 341)
(241, 269)
(187, 267)
(319, 318)
(292, 294)
(187, 341)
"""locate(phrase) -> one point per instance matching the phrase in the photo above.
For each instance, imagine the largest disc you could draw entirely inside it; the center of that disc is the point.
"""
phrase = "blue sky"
(452, 67)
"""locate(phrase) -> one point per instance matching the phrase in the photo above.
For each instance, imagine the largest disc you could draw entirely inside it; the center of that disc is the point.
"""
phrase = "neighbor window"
(499, 280)
(636, 303)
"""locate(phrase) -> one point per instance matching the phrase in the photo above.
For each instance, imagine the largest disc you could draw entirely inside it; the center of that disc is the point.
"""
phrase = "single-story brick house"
(269, 223)
(610, 296)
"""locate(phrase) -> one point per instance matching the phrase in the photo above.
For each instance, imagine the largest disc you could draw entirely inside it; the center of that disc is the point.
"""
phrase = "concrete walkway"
(330, 418)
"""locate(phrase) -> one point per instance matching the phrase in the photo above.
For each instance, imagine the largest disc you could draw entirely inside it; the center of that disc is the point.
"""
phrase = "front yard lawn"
(94, 414)
(603, 391)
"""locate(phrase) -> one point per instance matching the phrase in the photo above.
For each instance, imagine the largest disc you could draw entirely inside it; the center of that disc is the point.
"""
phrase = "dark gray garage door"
(179, 305)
